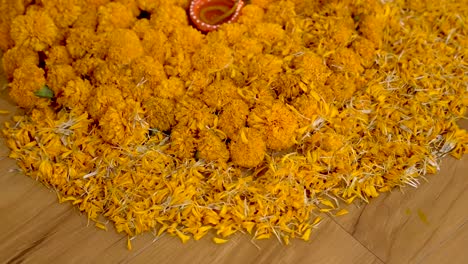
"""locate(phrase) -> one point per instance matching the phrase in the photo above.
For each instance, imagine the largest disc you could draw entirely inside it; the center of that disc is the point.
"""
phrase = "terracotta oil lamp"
(208, 15)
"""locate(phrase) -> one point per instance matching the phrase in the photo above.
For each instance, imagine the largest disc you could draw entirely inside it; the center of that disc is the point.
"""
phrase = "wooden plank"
(404, 226)
(453, 250)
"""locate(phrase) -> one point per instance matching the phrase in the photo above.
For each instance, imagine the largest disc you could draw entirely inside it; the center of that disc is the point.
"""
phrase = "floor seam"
(357, 240)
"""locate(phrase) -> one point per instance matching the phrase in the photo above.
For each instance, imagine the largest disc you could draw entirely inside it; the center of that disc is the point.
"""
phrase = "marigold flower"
(17, 56)
(113, 16)
(58, 75)
(160, 113)
(63, 12)
(277, 123)
(247, 148)
(212, 148)
(36, 30)
(125, 46)
(27, 79)
(233, 117)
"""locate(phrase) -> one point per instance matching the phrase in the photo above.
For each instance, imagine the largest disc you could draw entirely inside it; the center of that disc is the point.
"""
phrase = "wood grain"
(408, 225)
(424, 225)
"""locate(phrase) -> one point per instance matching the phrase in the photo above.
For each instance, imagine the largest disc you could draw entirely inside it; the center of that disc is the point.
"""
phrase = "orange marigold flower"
(278, 124)
(17, 56)
(58, 76)
(76, 94)
(247, 148)
(212, 148)
(113, 16)
(233, 117)
(125, 46)
(160, 113)
(27, 79)
(183, 142)
(36, 29)
(63, 12)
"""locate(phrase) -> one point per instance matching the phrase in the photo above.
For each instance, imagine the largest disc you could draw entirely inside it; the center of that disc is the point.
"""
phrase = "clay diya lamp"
(208, 15)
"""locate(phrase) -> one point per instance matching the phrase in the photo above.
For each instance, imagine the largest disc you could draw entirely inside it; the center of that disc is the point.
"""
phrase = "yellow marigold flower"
(83, 41)
(58, 55)
(113, 16)
(262, 3)
(341, 32)
(280, 12)
(371, 27)
(183, 142)
(288, 85)
(340, 88)
(268, 33)
(266, 67)
(27, 79)
(345, 60)
(308, 107)
(112, 74)
(160, 113)
(6, 42)
(212, 148)
(63, 12)
(171, 88)
(58, 76)
(233, 117)
(187, 39)
(141, 26)
(194, 114)
(125, 46)
(147, 74)
(102, 97)
(17, 56)
(366, 50)
(89, 16)
(149, 6)
(169, 17)
(155, 44)
(36, 30)
(123, 127)
(251, 15)
(94, 4)
(277, 123)
(197, 81)
(219, 93)
(131, 5)
(212, 58)
(247, 148)
(228, 33)
(75, 94)
(247, 47)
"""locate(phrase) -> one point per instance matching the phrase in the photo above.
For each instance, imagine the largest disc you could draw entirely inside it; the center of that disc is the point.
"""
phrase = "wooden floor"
(423, 225)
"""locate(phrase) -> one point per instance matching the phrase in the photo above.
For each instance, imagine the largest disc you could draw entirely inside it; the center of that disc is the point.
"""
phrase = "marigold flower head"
(58, 76)
(63, 12)
(27, 79)
(17, 56)
(233, 117)
(247, 148)
(212, 148)
(75, 94)
(212, 58)
(278, 124)
(35, 29)
(113, 16)
(160, 113)
(125, 46)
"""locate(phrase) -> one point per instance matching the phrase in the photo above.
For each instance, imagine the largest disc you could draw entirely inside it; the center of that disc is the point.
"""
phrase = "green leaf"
(44, 92)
